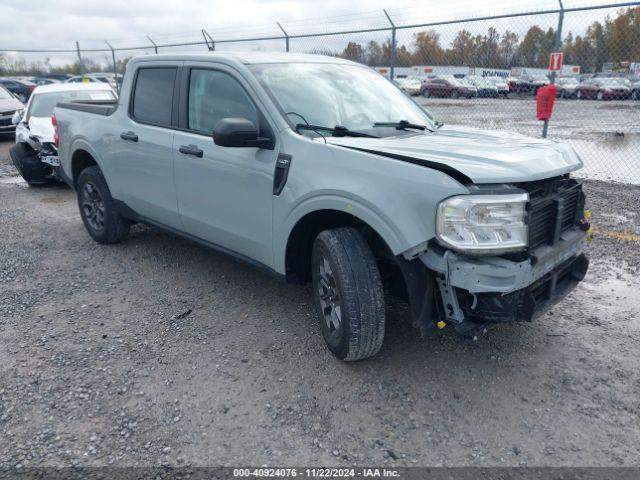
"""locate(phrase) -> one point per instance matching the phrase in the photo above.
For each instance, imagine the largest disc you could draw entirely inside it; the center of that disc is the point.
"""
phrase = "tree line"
(614, 40)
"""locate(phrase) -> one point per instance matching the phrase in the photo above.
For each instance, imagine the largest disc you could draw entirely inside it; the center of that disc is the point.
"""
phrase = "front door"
(224, 194)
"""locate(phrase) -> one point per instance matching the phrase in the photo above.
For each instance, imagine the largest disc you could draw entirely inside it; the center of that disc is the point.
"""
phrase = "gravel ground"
(156, 351)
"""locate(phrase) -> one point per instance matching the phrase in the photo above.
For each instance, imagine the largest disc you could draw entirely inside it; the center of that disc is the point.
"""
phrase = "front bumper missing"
(497, 289)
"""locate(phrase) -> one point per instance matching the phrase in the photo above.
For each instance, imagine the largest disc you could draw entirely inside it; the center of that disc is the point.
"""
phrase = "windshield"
(4, 94)
(330, 94)
(42, 104)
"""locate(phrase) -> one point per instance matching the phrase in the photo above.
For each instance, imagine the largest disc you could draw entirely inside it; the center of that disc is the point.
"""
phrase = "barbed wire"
(498, 8)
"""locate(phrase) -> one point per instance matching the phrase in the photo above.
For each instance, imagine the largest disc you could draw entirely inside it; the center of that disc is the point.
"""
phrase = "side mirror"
(17, 117)
(239, 132)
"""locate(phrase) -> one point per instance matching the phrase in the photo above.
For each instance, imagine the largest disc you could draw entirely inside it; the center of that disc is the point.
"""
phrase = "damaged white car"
(35, 155)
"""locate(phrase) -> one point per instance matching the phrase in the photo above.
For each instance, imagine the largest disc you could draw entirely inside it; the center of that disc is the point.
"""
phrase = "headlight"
(483, 224)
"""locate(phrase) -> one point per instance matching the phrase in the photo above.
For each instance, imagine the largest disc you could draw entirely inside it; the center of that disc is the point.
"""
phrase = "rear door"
(140, 153)
(224, 194)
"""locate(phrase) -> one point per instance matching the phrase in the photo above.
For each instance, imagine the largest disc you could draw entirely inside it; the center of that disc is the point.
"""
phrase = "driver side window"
(214, 95)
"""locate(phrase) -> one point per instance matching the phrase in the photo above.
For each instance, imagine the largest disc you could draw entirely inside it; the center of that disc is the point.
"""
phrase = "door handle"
(191, 150)
(132, 137)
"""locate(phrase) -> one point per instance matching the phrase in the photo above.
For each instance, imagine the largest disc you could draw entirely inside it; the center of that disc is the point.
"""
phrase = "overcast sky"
(51, 24)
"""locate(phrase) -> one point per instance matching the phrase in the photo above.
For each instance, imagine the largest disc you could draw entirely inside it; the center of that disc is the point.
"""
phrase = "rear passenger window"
(214, 95)
(153, 95)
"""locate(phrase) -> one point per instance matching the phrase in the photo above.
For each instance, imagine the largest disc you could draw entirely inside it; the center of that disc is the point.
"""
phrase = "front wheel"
(98, 210)
(426, 93)
(600, 96)
(348, 294)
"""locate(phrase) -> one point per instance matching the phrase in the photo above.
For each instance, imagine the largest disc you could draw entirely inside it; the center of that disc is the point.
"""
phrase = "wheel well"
(81, 159)
(300, 244)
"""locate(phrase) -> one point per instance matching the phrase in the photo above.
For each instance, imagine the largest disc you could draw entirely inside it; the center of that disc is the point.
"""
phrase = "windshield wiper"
(337, 131)
(401, 125)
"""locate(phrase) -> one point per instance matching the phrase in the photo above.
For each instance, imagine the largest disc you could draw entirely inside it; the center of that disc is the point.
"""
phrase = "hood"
(41, 128)
(483, 156)
(10, 105)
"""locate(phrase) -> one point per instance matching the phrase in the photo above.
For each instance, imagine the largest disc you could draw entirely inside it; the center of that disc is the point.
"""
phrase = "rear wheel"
(455, 94)
(600, 96)
(426, 93)
(348, 294)
(579, 95)
(98, 210)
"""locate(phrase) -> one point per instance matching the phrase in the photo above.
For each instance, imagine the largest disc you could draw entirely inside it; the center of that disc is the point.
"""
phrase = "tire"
(579, 95)
(97, 208)
(635, 95)
(426, 93)
(455, 94)
(348, 294)
(600, 96)
(26, 161)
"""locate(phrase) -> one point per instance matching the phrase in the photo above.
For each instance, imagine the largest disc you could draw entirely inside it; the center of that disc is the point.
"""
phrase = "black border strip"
(452, 172)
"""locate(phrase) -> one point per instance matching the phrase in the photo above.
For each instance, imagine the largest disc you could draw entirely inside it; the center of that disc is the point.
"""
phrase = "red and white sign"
(555, 61)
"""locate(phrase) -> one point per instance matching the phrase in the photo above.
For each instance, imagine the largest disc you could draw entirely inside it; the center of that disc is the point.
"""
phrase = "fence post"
(286, 35)
(557, 45)
(155, 47)
(208, 38)
(80, 58)
(393, 46)
(115, 68)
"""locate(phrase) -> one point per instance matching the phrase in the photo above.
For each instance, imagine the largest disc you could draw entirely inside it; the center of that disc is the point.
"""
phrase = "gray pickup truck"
(319, 170)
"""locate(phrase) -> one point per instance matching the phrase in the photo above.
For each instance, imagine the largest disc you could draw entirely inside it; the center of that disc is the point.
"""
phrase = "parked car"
(35, 155)
(108, 78)
(21, 90)
(317, 169)
(9, 104)
(530, 83)
(567, 87)
(410, 85)
(483, 86)
(44, 81)
(447, 87)
(602, 88)
(501, 85)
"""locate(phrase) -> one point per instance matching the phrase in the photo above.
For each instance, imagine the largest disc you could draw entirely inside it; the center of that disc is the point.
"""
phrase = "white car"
(35, 155)
(410, 85)
(106, 77)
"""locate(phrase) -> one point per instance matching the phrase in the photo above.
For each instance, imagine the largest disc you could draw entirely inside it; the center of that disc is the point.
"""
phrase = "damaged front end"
(37, 162)
(472, 290)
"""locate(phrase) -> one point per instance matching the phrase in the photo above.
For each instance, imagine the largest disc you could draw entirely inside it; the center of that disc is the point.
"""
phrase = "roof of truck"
(245, 57)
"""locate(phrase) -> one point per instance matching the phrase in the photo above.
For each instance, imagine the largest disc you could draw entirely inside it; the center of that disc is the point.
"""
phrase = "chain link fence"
(597, 110)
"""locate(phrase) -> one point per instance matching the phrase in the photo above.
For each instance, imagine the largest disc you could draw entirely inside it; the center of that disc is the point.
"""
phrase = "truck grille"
(555, 205)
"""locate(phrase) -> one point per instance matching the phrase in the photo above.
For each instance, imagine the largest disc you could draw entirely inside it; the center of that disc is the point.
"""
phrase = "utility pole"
(393, 45)
(286, 36)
